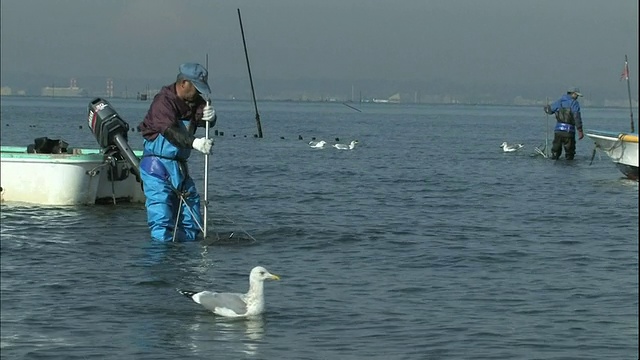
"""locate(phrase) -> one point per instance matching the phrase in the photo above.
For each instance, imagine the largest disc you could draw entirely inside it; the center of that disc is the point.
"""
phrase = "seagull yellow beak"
(275, 277)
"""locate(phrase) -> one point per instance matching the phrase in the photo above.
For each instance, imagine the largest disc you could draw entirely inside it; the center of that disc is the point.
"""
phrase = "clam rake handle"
(206, 187)
(206, 182)
(546, 136)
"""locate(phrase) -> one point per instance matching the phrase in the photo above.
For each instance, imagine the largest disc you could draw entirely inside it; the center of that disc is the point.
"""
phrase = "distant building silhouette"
(72, 91)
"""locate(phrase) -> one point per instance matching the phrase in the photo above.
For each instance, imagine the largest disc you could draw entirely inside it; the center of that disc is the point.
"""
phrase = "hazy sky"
(577, 42)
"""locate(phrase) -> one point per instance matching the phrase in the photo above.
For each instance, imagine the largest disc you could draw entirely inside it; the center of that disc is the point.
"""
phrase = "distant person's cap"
(574, 90)
(197, 75)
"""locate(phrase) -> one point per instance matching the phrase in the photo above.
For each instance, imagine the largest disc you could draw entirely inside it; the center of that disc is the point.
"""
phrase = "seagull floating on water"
(317, 144)
(235, 304)
(511, 148)
(346, 147)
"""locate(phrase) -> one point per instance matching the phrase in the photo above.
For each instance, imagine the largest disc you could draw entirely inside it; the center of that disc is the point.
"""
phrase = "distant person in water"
(568, 120)
(168, 130)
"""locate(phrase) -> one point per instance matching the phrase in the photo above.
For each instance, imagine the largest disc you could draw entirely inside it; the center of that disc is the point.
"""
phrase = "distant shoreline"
(530, 103)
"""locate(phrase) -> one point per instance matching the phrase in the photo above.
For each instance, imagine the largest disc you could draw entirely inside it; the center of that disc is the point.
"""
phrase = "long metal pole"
(206, 169)
(626, 73)
(206, 183)
(546, 136)
(253, 93)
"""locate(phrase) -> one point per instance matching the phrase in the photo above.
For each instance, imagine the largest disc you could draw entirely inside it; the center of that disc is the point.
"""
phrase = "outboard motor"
(110, 130)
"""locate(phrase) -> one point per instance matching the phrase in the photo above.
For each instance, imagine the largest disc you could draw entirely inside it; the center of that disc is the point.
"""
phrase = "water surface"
(424, 242)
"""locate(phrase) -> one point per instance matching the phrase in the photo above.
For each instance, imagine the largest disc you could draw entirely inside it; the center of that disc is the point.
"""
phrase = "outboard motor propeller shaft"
(110, 130)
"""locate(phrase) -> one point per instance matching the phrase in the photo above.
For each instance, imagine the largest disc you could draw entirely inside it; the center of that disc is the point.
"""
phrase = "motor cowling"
(111, 131)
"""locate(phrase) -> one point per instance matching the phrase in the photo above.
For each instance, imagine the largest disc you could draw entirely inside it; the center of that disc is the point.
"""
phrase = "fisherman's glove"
(208, 113)
(203, 145)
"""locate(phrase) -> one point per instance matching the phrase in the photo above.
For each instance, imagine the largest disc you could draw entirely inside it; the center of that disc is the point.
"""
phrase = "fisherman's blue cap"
(574, 90)
(198, 76)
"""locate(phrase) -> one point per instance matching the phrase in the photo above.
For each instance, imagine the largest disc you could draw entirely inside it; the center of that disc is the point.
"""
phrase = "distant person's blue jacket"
(567, 120)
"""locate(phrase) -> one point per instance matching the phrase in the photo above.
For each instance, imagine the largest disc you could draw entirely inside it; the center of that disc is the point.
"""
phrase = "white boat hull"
(622, 149)
(80, 178)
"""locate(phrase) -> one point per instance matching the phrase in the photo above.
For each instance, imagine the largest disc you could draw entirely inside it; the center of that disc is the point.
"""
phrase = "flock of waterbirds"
(320, 144)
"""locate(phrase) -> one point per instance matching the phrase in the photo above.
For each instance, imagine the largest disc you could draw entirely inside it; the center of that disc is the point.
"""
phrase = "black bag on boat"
(44, 145)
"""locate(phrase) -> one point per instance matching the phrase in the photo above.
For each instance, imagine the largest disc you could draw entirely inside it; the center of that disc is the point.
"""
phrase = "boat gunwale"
(74, 156)
(613, 135)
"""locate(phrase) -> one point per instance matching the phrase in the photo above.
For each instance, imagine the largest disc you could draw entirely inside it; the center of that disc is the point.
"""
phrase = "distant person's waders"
(564, 135)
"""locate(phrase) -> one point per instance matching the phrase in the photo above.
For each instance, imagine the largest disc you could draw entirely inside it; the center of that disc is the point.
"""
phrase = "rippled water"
(425, 242)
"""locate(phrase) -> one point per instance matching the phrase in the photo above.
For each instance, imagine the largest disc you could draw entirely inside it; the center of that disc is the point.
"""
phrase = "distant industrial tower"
(109, 88)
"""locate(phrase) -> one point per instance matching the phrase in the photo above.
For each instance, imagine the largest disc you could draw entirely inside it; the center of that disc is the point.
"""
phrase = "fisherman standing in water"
(569, 119)
(168, 130)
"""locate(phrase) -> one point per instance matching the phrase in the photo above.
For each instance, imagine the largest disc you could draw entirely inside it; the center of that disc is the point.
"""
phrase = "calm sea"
(424, 242)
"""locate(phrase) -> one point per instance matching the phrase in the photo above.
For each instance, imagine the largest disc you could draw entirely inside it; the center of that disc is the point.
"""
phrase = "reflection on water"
(159, 252)
(228, 332)
(33, 340)
(249, 332)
